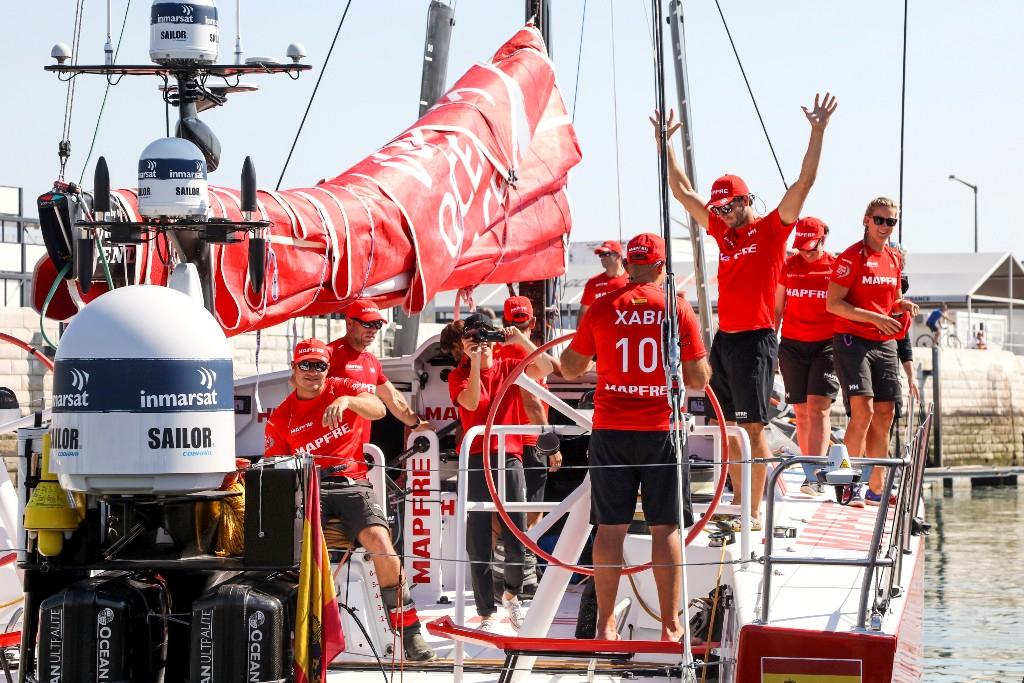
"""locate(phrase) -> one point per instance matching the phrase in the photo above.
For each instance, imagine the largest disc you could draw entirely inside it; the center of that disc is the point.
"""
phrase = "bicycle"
(947, 339)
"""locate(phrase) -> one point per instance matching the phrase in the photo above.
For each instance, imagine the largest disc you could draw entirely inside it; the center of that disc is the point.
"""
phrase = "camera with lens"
(485, 333)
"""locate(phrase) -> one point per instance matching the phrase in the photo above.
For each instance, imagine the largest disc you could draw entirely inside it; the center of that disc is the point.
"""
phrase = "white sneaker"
(488, 623)
(811, 488)
(515, 611)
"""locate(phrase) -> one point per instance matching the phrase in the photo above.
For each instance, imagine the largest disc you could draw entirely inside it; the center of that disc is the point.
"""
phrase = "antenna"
(108, 48)
(238, 31)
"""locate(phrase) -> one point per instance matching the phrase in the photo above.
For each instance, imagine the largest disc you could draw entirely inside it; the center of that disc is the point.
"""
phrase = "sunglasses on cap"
(882, 220)
(368, 324)
(312, 366)
(726, 209)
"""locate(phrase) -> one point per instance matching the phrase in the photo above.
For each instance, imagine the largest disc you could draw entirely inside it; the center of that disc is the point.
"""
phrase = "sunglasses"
(374, 324)
(312, 366)
(727, 208)
(603, 254)
(882, 220)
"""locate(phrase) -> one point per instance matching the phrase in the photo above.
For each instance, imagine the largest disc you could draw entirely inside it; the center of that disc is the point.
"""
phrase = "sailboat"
(474, 192)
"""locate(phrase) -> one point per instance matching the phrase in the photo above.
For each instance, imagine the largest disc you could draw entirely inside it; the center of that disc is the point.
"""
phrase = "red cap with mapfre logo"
(646, 249)
(518, 309)
(726, 188)
(311, 349)
(609, 245)
(365, 310)
(809, 231)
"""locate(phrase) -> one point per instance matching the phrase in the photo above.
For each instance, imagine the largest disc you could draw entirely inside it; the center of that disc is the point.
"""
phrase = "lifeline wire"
(752, 98)
(313, 96)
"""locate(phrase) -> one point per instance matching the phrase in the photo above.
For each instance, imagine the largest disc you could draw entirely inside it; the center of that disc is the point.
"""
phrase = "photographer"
(472, 385)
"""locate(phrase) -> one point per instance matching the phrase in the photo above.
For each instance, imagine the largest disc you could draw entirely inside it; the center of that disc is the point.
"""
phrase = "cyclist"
(937, 320)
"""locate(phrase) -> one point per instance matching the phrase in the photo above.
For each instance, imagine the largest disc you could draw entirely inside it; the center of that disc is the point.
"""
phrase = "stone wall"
(982, 400)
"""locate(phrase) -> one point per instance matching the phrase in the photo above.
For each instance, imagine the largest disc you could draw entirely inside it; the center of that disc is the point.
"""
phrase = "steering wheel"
(519, 534)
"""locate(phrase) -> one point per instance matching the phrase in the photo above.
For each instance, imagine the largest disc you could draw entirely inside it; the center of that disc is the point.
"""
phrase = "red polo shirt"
(508, 412)
(873, 279)
(749, 265)
(805, 318)
(363, 368)
(624, 332)
(296, 426)
(599, 285)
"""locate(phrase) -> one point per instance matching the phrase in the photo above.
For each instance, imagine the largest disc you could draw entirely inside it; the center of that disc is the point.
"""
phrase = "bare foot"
(606, 634)
(672, 635)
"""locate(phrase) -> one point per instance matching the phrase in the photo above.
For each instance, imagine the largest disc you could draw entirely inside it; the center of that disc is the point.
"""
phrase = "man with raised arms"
(752, 249)
(321, 417)
(631, 445)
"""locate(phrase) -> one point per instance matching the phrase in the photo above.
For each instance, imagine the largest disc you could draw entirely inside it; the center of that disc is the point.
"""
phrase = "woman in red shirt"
(864, 294)
(805, 352)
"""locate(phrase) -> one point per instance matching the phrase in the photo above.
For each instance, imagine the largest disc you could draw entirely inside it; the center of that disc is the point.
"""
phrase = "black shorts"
(807, 369)
(932, 326)
(742, 373)
(866, 367)
(624, 462)
(536, 471)
(353, 504)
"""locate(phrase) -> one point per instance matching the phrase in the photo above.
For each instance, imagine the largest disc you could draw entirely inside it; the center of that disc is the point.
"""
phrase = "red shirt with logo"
(749, 265)
(508, 411)
(601, 284)
(296, 426)
(805, 318)
(873, 279)
(624, 332)
(518, 353)
(363, 368)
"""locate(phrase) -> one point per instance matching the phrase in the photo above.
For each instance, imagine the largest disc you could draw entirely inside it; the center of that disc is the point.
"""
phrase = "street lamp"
(975, 189)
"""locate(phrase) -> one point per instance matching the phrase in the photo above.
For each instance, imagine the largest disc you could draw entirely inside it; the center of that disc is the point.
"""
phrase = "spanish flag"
(810, 670)
(318, 634)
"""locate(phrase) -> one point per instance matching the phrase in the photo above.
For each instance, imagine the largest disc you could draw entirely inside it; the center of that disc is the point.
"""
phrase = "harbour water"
(974, 587)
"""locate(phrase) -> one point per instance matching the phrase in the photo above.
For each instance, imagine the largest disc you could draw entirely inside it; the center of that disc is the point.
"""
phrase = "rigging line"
(323, 69)
(752, 98)
(64, 146)
(106, 92)
(615, 113)
(903, 109)
(579, 60)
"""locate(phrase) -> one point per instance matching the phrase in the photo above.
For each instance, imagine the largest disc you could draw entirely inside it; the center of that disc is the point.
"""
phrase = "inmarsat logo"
(186, 10)
(79, 378)
(207, 377)
(149, 170)
(79, 398)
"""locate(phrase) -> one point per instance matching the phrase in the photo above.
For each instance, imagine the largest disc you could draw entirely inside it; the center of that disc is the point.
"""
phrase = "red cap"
(518, 309)
(311, 349)
(645, 249)
(609, 245)
(363, 309)
(808, 231)
(726, 188)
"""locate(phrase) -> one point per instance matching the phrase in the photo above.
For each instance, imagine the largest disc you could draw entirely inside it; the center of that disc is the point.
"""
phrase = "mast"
(670, 330)
(675, 21)
(440, 20)
(541, 293)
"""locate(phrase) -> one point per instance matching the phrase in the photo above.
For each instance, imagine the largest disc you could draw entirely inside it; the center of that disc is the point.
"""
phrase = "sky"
(963, 101)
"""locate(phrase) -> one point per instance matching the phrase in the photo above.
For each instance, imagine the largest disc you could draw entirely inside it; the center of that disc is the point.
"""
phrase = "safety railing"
(908, 499)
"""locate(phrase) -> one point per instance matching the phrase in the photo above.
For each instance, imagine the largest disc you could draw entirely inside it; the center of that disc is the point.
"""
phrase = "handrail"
(769, 537)
(908, 501)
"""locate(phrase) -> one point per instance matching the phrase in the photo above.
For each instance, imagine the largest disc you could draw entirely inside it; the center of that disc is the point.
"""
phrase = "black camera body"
(485, 334)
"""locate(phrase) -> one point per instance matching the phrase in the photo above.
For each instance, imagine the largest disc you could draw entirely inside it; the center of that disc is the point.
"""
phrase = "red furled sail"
(472, 193)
